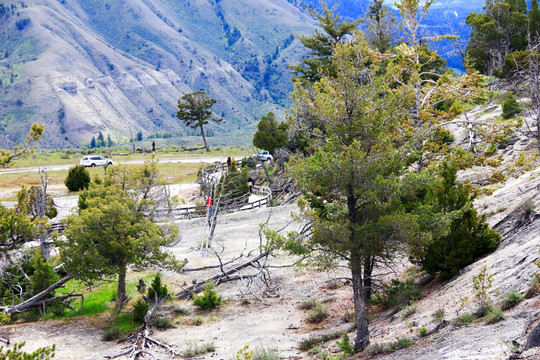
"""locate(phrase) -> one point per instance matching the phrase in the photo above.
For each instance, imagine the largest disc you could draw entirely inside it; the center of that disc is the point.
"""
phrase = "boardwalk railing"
(207, 177)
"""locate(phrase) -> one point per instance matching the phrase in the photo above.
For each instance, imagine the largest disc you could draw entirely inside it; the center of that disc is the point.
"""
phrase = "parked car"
(95, 160)
(263, 155)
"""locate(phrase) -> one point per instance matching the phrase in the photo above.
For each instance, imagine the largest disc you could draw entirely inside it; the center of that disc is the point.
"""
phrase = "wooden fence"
(206, 178)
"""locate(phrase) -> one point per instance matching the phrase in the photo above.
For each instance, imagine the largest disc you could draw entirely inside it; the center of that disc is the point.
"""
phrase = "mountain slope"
(119, 67)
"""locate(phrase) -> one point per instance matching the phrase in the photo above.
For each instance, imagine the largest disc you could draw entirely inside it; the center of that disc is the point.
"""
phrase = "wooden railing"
(206, 177)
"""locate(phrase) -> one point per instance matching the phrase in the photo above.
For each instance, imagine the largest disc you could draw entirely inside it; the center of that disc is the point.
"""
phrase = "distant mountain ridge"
(120, 66)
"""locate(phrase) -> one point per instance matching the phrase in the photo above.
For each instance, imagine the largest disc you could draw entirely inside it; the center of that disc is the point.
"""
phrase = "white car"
(95, 160)
(263, 155)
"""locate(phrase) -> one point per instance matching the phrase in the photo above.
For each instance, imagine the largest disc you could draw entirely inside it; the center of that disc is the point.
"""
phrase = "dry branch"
(222, 277)
(38, 300)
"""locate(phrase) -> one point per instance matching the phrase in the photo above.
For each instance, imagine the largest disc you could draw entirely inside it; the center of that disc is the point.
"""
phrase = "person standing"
(229, 161)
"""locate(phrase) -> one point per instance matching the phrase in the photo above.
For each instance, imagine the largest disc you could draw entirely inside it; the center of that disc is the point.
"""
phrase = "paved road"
(192, 160)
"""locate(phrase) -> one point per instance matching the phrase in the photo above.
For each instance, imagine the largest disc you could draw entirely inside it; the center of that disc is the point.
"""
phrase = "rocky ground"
(512, 208)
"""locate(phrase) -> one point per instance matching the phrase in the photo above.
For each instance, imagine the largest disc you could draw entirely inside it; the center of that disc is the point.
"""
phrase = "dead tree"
(142, 343)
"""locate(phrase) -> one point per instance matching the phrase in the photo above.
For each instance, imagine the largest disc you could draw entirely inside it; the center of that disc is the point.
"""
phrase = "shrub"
(262, 353)
(181, 310)
(375, 349)
(140, 308)
(317, 314)
(208, 300)
(316, 340)
(422, 331)
(511, 299)
(199, 321)
(163, 323)
(482, 283)
(438, 315)
(112, 332)
(43, 276)
(494, 314)
(469, 236)
(193, 349)
(17, 354)
(345, 345)
(464, 319)
(408, 310)
(308, 304)
(249, 162)
(78, 178)
(157, 290)
(510, 106)
(403, 343)
(397, 293)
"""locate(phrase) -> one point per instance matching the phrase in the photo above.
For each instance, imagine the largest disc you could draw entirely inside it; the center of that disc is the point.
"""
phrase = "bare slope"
(119, 67)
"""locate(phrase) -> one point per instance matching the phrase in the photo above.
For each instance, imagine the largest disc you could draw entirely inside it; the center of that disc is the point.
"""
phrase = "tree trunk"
(204, 139)
(368, 271)
(362, 329)
(121, 291)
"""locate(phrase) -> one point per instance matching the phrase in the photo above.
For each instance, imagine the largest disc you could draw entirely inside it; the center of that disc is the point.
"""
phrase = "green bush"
(140, 308)
(208, 300)
(345, 345)
(157, 290)
(494, 315)
(15, 353)
(422, 331)
(181, 310)
(396, 293)
(375, 349)
(308, 304)
(316, 340)
(510, 106)
(163, 323)
(317, 314)
(438, 315)
(469, 235)
(112, 332)
(511, 299)
(249, 162)
(43, 276)
(464, 319)
(78, 178)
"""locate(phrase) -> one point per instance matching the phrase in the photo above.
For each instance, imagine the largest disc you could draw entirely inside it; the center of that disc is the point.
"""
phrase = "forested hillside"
(119, 67)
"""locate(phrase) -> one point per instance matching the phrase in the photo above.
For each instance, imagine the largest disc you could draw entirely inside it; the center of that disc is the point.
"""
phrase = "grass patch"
(317, 314)
(262, 353)
(438, 315)
(308, 304)
(464, 319)
(494, 315)
(511, 299)
(317, 340)
(409, 310)
(193, 349)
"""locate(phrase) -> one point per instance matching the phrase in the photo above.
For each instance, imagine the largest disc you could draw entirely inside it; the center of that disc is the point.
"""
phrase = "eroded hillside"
(83, 67)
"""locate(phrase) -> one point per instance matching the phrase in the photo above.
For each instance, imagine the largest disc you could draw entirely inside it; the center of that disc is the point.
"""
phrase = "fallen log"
(36, 300)
(219, 278)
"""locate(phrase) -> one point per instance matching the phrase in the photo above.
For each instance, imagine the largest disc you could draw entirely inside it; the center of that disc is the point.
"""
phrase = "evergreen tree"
(109, 141)
(194, 111)
(114, 229)
(382, 26)
(93, 143)
(320, 45)
(270, 134)
(468, 236)
(100, 140)
(139, 136)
